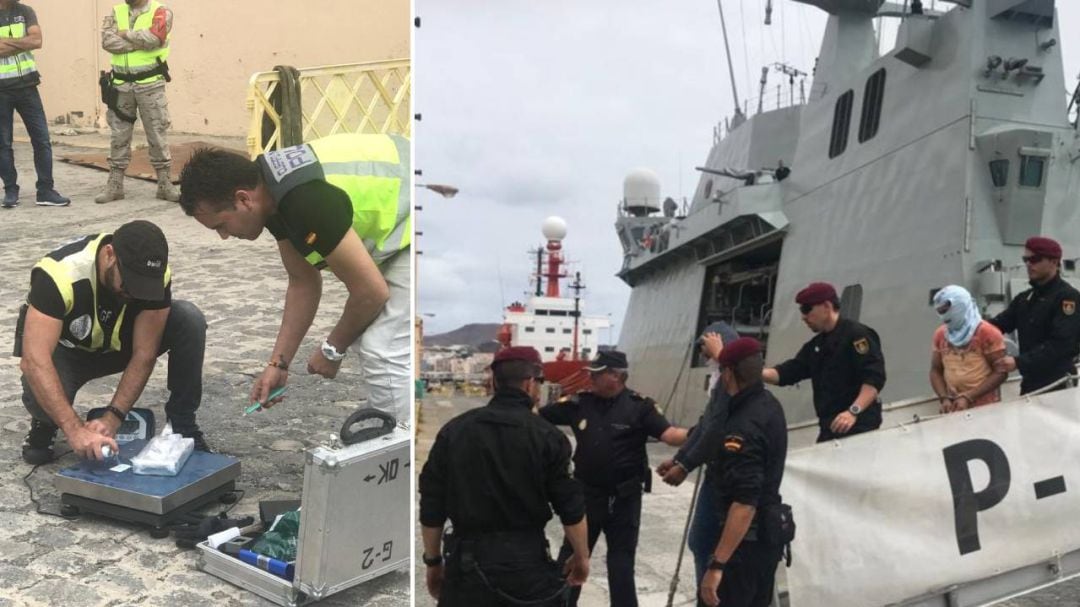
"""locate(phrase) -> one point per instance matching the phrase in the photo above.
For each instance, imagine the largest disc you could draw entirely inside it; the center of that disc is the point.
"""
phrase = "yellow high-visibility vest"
(73, 268)
(136, 62)
(18, 65)
(373, 170)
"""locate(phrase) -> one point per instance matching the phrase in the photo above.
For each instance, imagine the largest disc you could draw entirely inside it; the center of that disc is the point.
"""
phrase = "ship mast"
(731, 68)
(577, 287)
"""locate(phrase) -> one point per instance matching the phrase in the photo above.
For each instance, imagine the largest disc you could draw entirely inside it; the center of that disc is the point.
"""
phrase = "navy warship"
(900, 173)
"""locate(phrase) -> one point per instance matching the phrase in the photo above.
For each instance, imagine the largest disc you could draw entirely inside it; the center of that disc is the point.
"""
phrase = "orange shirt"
(966, 368)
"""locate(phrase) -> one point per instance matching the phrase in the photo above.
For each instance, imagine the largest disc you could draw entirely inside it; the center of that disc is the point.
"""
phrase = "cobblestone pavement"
(240, 287)
(663, 517)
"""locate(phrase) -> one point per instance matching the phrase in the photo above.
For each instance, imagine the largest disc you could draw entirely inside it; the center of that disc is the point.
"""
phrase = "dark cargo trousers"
(619, 518)
(184, 340)
(501, 569)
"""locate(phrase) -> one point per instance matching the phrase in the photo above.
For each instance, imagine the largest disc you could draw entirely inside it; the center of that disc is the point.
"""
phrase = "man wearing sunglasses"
(102, 305)
(611, 425)
(497, 472)
(1044, 318)
(843, 362)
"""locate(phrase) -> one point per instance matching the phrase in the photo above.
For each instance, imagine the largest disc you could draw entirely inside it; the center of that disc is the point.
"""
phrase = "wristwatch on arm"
(432, 561)
(855, 409)
(716, 565)
(331, 353)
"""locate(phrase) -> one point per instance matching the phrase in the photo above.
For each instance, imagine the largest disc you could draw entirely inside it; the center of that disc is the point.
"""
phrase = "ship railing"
(920, 401)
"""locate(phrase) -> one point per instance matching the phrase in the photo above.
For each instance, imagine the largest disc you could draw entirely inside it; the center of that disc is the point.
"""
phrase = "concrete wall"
(216, 47)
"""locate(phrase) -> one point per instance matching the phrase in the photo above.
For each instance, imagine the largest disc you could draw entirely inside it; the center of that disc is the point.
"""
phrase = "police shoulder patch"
(311, 238)
(733, 443)
(1068, 306)
(862, 345)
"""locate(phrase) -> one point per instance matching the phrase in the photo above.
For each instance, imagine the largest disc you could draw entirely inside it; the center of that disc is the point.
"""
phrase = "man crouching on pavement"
(106, 301)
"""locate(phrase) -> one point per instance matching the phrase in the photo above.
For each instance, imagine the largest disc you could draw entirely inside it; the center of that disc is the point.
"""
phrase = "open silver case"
(354, 523)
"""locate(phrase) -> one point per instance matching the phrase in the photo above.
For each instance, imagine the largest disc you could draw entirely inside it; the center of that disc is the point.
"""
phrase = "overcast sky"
(534, 109)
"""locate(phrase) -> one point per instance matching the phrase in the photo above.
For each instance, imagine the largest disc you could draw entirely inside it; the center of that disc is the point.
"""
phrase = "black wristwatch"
(432, 561)
(716, 565)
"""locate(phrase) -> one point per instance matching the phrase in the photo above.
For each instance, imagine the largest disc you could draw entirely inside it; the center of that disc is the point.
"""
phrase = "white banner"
(902, 512)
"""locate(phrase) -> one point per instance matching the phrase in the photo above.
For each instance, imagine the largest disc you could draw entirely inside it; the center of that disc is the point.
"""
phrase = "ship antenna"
(539, 271)
(577, 287)
(731, 68)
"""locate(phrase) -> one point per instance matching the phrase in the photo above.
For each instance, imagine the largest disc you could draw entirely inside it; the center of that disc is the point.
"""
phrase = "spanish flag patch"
(733, 443)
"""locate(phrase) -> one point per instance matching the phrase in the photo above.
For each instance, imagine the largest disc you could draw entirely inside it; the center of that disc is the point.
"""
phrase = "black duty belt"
(469, 550)
(161, 69)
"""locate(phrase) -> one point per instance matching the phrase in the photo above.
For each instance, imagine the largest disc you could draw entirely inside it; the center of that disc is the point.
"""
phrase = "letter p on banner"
(967, 503)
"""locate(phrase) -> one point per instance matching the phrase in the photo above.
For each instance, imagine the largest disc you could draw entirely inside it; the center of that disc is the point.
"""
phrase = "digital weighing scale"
(156, 501)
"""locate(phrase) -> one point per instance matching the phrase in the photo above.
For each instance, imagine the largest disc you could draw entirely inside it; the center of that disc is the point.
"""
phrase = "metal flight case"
(354, 523)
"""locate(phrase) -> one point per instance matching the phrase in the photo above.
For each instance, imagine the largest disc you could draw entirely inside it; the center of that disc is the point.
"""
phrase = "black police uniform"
(493, 471)
(1048, 326)
(838, 363)
(751, 466)
(611, 462)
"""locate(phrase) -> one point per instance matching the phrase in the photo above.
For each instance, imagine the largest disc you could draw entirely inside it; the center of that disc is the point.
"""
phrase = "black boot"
(194, 433)
(37, 448)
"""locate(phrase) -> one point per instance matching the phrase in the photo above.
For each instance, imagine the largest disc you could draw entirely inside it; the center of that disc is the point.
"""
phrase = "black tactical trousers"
(501, 569)
(749, 576)
(184, 340)
(620, 520)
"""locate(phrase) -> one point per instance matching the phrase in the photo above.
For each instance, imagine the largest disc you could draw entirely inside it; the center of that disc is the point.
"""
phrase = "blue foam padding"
(199, 466)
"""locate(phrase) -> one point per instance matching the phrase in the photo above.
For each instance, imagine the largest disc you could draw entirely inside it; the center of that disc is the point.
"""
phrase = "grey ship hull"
(889, 220)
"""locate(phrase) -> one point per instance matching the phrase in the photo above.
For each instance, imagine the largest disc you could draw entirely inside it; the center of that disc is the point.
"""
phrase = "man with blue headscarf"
(965, 348)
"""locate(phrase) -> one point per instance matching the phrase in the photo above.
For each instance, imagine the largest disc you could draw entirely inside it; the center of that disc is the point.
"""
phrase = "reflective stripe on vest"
(138, 61)
(374, 171)
(81, 328)
(16, 66)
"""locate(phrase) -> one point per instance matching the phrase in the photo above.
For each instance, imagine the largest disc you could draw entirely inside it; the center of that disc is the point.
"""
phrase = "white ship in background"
(553, 324)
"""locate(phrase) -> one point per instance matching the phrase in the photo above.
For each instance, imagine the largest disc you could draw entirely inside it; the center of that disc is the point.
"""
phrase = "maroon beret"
(737, 350)
(815, 293)
(1041, 245)
(525, 353)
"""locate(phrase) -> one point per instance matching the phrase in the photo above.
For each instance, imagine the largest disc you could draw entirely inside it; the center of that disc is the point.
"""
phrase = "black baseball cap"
(143, 255)
(609, 359)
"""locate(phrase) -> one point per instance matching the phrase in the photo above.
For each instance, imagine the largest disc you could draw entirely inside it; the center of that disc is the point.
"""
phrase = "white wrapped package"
(164, 455)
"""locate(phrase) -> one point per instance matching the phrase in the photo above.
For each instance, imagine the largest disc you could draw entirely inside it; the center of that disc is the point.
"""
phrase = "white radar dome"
(554, 228)
(641, 189)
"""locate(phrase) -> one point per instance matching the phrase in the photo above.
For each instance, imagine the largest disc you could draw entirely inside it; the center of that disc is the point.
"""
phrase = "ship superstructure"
(555, 325)
(903, 172)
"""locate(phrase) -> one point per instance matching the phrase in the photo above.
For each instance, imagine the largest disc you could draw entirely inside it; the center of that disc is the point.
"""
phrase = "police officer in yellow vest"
(102, 305)
(342, 202)
(136, 34)
(20, 34)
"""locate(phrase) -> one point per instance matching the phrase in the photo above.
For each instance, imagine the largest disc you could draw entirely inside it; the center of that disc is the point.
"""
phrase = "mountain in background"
(479, 336)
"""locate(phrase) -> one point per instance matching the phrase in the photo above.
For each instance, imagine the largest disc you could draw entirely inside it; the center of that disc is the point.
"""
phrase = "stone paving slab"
(240, 287)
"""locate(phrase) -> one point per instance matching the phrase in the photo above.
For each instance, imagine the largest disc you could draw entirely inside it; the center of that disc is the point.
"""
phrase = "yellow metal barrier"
(351, 98)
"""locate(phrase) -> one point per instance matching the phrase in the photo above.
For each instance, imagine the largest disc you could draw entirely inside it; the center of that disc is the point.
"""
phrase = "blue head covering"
(727, 334)
(962, 317)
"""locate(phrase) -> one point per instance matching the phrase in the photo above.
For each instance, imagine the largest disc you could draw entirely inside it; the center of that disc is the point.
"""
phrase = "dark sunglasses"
(539, 380)
(806, 308)
(1030, 259)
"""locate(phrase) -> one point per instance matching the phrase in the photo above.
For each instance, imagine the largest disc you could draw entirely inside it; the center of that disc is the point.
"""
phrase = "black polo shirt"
(750, 466)
(497, 468)
(837, 364)
(1047, 324)
(314, 217)
(610, 434)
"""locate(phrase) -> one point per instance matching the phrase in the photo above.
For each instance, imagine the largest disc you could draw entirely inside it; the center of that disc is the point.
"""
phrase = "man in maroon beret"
(1044, 318)
(747, 487)
(496, 473)
(843, 362)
